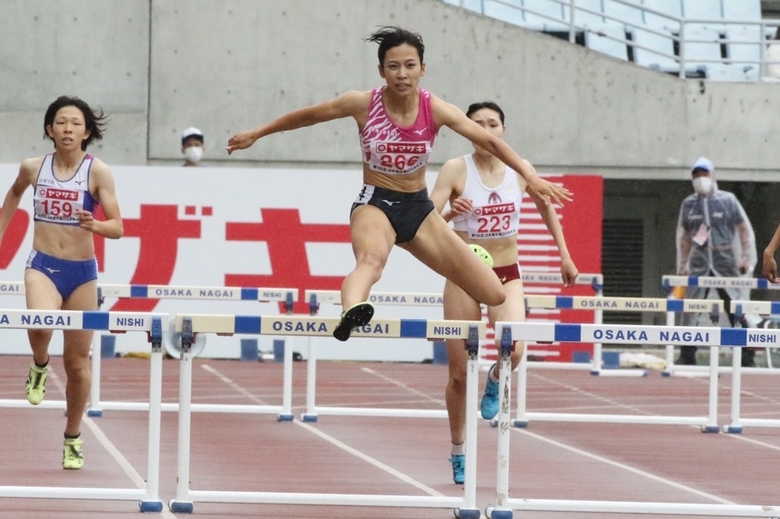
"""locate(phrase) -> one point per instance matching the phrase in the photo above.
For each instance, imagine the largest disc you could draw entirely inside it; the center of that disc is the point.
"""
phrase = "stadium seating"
(651, 33)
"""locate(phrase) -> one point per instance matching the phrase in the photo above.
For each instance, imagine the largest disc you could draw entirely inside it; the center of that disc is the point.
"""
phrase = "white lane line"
(754, 442)
(628, 468)
(372, 461)
(115, 453)
(404, 386)
(228, 381)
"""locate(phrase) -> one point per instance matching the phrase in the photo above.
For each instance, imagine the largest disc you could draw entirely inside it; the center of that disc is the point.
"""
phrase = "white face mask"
(702, 185)
(193, 154)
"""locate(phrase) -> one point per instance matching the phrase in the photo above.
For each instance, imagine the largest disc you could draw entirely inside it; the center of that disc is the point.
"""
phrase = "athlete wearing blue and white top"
(484, 196)
(61, 272)
(373, 233)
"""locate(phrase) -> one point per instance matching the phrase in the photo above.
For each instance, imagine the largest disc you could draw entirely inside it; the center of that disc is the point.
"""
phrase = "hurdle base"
(95, 413)
(284, 418)
(309, 417)
(521, 424)
(180, 507)
(154, 507)
(710, 429)
(467, 513)
(732, 429)
(498, 513)
(612, 372)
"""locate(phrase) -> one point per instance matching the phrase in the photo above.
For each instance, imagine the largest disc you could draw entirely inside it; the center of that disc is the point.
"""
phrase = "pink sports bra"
(396, 150)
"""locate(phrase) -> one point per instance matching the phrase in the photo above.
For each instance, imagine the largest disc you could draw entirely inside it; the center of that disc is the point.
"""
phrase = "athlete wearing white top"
(496, 211)
(61, 270)
(58, 201)
(484, 196)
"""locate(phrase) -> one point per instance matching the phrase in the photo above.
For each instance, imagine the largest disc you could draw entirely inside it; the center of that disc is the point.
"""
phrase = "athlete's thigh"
(40, 292)
(371, 232)
(77, 342)
(84, 297)
(513, 308)
(437, 246)
(458, 305)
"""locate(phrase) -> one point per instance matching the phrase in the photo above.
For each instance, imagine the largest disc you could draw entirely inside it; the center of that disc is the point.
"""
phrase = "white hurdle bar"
(612, 334)
(200, 293)
(539, 283)
(758, 337)
(288, 296)
(670, 282)
(115, 322)
(614, 304)
(628, 334)
(189, 325)
(317, 297)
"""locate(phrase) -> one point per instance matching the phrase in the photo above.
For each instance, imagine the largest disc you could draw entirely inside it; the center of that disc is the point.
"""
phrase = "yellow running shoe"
(72, 458)
(36, 384)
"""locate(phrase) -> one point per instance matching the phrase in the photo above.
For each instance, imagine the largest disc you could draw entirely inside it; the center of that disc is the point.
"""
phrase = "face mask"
(193, 154)
(702, 185)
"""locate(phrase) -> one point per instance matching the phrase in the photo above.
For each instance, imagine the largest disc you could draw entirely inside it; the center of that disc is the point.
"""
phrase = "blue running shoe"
(489, 405)
(458, 468)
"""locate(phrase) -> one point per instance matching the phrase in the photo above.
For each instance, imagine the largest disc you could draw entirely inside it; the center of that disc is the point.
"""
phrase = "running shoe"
(458, 468)
(489, 405)
(354, 317)
(36, 384)
(72, 458)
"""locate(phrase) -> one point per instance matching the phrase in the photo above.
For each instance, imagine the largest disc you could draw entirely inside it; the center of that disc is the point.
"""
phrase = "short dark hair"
(94, 119)
(476, 107)
(389, 37)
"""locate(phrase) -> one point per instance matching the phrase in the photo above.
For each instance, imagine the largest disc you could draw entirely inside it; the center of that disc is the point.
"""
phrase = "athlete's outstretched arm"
(449, 115)
(346, 105)
(569, 270)
(27, 172)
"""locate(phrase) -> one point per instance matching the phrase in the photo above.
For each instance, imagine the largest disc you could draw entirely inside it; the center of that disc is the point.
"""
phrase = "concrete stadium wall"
(158, 66)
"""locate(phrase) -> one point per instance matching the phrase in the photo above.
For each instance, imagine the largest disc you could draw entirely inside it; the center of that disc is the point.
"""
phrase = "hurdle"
(670, 282)
(757, 338)
(316, 297)
(115, 322)
(288, 296)
(628, 334)
(622, 304)
(612, 334)
(550, 283)
(189, 325)
(616, 304)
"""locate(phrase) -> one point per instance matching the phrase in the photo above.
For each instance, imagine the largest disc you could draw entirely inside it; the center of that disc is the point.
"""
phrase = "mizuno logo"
(79, 181)
(503, 279)
(51, 270)
(390, 203)
(420, 132)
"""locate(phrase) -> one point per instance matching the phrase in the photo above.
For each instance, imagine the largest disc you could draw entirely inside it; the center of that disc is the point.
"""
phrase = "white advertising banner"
(237, 227)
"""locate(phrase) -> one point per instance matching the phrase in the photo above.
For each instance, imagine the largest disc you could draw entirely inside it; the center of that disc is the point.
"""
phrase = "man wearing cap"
(192, 146)
(714, 238)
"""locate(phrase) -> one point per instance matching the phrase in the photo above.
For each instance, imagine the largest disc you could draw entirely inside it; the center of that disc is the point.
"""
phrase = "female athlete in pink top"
(393, 206)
